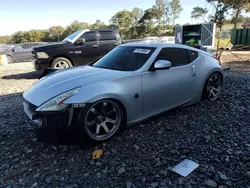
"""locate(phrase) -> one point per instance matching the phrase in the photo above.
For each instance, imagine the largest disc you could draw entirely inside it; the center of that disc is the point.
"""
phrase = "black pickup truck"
(81, 47)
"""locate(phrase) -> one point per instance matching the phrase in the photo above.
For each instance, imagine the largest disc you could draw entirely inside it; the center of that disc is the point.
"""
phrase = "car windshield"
(125, 58)
(72, 36)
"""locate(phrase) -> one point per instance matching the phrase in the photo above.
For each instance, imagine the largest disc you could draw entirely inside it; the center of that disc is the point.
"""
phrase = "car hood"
(48, 46)
(64, 80)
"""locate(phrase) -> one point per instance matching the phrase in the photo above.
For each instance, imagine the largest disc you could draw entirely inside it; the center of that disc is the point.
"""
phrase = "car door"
(26, 52)
(17, 53)
(107, 41)
(87, 52)
(166, 89)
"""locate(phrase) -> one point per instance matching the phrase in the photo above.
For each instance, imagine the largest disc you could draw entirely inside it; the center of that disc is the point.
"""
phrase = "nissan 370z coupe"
(129, 84)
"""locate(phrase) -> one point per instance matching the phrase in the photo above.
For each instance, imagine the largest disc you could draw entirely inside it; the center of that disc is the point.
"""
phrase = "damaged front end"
(53, 112)
(62, 118)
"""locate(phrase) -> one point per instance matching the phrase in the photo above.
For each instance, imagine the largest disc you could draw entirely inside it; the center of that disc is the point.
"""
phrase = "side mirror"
(13, 50)
(80, 41)
(162, 65)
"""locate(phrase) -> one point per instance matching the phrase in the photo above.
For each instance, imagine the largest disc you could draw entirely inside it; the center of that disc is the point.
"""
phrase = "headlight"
(56, 103)
(42, 55)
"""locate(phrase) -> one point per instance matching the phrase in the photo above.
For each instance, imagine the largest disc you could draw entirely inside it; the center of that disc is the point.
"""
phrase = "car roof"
(164, 45)
(156, 45)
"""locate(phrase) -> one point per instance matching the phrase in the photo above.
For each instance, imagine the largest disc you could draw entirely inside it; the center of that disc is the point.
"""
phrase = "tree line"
(159, 20)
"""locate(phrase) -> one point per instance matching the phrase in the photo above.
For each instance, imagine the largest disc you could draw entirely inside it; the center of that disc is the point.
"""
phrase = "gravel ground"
(214, 134)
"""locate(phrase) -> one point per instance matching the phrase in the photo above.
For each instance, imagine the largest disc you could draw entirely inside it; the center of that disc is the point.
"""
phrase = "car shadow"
(62, 136)
(28, 75)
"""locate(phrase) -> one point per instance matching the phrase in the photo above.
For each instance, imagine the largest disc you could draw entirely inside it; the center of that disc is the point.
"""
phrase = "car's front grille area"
(34, 55)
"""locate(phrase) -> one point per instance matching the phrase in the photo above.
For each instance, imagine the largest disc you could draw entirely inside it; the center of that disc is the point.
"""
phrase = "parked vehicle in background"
(81, 47)
(151, 39)
(169, 39)
(19, 52)
(6, 47)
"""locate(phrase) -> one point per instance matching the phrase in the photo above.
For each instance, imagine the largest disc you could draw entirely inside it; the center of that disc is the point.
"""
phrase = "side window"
(19, 47)
(107, 35)
(194, 55)
(90, 36)
(26, 46)
(177, 56)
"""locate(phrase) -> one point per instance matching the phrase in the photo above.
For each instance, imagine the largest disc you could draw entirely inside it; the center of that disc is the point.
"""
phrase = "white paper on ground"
(185, 167)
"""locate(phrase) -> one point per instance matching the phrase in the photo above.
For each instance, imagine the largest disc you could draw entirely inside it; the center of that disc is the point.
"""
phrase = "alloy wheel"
(102, 120)
(61, 65)
(214, 86)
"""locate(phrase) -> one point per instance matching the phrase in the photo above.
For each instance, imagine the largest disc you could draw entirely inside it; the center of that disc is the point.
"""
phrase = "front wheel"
(213, 87)
(102, 120)
(61, 63)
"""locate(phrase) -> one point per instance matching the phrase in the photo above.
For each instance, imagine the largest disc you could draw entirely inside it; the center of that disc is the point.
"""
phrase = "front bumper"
(58, 118)
(41, 64)
(30, 112)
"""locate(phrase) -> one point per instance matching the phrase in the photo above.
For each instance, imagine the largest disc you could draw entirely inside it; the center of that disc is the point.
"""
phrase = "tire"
(61, 63)
(101, 121)
(10, 59)
(213, 87)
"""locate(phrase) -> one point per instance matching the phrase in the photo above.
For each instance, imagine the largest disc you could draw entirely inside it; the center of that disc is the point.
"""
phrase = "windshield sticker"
(142, 51)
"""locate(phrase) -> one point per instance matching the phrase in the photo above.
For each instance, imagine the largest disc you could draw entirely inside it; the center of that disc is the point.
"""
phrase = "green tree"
(18, 37)
(175, 10)
(55, 33)
(136, 14)
(123, 22)
(74, 26)
(199, 13)
(146, 25)
(160, 9)
(238, 7)
(219, 17)
(34, 35)
(99, 24)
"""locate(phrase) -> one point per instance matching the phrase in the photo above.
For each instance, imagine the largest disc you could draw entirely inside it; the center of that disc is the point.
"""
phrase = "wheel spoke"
(104, 106)
(108, 120)
(91, 123)
(215, 89)
(110, 112)
(212, 92)
(105, 127)
(95, 111)
(98, 129)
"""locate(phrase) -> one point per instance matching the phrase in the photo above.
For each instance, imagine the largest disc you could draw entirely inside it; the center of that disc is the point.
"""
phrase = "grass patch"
(223, 43)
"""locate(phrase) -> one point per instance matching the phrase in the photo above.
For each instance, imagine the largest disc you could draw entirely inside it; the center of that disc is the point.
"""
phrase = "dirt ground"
(215, 135)
(238, 61)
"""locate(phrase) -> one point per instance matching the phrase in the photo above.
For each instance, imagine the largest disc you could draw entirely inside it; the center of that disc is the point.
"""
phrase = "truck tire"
(61, 63)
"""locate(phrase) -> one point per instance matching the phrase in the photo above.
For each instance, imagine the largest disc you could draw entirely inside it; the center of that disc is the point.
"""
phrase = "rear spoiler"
(48, 71)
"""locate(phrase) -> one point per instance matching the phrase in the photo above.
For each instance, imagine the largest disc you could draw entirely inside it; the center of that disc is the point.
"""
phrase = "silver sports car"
(129, 84)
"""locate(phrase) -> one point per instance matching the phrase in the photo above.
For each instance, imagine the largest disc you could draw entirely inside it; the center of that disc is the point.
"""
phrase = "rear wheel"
(61, 63)
(102, 120)
(213, 87)
(9, 59)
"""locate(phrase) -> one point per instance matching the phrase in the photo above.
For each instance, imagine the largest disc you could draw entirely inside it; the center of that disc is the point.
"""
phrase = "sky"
(21, 15)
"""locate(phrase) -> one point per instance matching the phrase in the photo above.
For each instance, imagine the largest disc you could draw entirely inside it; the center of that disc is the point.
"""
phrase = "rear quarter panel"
(206, 65)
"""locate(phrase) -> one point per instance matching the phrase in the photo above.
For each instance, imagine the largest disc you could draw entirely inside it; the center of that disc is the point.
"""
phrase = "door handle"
(193, 71)
(95, 46)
